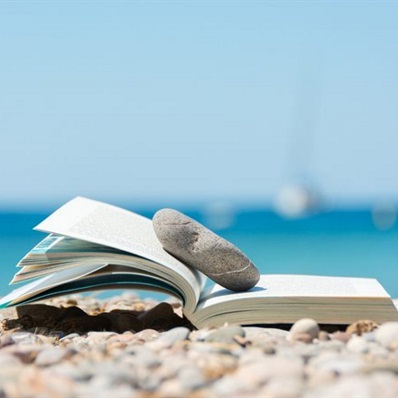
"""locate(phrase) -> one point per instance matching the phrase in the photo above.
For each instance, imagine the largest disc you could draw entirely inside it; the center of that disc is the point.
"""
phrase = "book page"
(287, 298)
(298, 286)
(47, 282)
(88, 277)
(108, 225)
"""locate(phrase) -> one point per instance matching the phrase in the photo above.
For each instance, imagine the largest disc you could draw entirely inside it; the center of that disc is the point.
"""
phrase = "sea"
(337, 242)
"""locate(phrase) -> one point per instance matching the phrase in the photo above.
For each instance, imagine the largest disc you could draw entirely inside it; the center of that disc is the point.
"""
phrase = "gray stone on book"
(202, 249)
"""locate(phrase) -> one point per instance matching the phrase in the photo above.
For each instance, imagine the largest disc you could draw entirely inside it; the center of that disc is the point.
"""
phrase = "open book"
(93, 245)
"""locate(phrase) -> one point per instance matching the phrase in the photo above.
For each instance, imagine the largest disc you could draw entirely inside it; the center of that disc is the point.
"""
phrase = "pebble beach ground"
(165, 357)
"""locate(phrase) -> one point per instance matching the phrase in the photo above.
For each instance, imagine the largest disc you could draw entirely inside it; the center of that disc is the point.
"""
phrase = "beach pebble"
(170, 338)
(284, 387)
(52, 355)
(369, 336)
(191, 377)
(147, 335)
(205, 251)
(200, 334)
(333, 363)
(362, 326)
(387, 335)
(358, 344)
(268, 347)
(25, 338)
(69, 336)
(340, 336)
(174, 335)
(323, 336)
(253, 331)
(332, 345)
(25, 353)
(8, 361)
(267, 368)
(226, 334)
(377, 385)
(304, 330)
(6, 340)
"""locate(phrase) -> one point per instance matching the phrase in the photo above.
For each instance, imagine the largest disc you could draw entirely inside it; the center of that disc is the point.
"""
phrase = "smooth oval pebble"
(202, 249)
(226, 335)
(52, 355)
(305, 326)
(174, 336)
(387, 334)
(358, 345)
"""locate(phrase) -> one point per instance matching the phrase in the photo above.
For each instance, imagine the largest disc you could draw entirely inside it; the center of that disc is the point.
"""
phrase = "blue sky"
(162, 102)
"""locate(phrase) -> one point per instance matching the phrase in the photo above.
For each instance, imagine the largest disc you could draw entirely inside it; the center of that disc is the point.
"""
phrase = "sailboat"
(300, 196)
(297, 200)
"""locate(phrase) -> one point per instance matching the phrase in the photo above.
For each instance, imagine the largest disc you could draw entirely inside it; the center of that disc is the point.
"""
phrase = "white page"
(108, 225)
(298, 286)
(286, 298)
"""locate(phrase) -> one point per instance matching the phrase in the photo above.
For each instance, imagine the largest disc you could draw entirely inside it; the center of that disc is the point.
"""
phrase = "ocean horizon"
(343, 242)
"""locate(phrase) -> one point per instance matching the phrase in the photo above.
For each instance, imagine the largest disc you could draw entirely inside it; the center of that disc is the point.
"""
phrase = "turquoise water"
(341, 243)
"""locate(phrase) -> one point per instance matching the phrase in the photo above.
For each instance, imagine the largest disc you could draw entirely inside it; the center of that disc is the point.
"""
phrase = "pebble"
(204, 250)
(228, 361)
(6, 340)
(323, 336)
(387, 335)
(8, 360)
(304, 330)
(284, 388)
(252, 332)
(267, 368)
(376, 386)
(269, 341)
(341, 336)
(226, 335)
(174, 336)
(332, 345)
(69, 336)
(147, 335)
(362, 326)
(335, 363)
(191, 377)
(52, 355)
(200, 334)
(25, 338)
(358, 344)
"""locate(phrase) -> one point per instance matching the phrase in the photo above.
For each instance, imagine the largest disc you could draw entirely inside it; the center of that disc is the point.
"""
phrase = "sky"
(197, 101)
